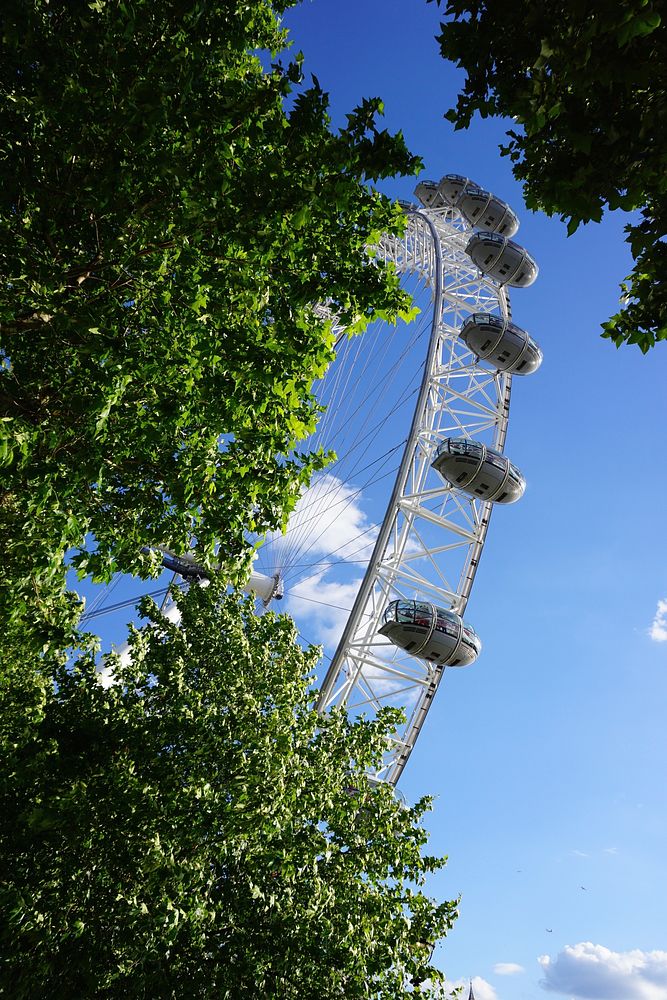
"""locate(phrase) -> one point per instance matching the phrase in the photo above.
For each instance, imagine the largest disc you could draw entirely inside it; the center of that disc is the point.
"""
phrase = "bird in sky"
(548, 930)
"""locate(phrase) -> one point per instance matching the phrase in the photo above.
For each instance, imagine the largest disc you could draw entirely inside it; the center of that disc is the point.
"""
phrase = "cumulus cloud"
(507, 968)
(589, 971)
(329, 539)
(328, 520)
(326, 608)
(481, 989)
(105, 672)
(105, 676)
(321, 621)
(658, 629)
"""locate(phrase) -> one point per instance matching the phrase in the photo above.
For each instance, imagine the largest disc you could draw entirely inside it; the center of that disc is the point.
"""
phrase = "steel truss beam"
(432, 536)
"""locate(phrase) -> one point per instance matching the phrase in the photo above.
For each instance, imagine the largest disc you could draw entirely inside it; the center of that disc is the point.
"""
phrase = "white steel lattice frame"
(432, 535)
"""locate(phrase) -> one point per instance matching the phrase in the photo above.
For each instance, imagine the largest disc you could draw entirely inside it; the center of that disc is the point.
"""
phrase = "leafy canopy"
(196, 829)
(586, 82)
(171, 209)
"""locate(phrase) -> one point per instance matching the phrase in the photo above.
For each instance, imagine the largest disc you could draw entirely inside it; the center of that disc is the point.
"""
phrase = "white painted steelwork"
(431, 539)
(432, 536)
(504, 345)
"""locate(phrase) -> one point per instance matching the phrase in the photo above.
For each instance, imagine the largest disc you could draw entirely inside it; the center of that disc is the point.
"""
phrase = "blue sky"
(547, 756)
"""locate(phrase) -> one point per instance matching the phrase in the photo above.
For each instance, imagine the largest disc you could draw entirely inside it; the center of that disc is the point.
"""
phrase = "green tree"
(196, 829)
(171, 209)
(587, 84)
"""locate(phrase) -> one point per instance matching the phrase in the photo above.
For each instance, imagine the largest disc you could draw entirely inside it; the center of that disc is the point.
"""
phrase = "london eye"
(379, 558)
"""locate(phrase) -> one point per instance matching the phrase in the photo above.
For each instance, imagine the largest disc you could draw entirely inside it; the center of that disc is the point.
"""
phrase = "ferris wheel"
(405, 624)
(379, 558)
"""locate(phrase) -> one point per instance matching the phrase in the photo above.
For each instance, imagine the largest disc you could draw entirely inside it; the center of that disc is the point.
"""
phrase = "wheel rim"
(432, 535)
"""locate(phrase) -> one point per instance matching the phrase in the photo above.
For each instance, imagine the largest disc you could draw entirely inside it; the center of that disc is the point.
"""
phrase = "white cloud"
(658, 630)
(507, 968)
(328, 520)
(328, 543)
(322, 607)
(105, 676)
(481, 989)
(607, 851)
(589, 971)
(105, 673)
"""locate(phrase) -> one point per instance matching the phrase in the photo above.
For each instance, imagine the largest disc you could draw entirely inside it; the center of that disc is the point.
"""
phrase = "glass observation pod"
(451, 186)
(502, 259)
(427, 192)
(479, 470)
(431, 633)
(484, 210)
(503, 344)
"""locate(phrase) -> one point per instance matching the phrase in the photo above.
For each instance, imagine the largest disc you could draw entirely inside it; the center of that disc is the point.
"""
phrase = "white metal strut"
(432, 536)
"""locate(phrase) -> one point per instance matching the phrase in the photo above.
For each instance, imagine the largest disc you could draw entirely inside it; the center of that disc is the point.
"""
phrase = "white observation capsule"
(478, 470)
(427, 192)
(451, 186)
(431, 633)
(484, 210)
(503, 344)
(502, 259)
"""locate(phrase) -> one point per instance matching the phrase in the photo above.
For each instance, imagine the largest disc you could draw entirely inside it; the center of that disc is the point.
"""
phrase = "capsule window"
(486, 344)
(459, 479)
(465, 448)
(522, 365)
(488, 259)
(502, 496)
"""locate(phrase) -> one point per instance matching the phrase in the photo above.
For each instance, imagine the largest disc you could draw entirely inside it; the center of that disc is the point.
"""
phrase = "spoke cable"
(298, 534)
(124, 604)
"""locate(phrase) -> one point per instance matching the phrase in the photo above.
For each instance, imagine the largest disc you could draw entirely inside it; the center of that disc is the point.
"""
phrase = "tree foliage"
(172, 207)
(196, 829)
(587, 84)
